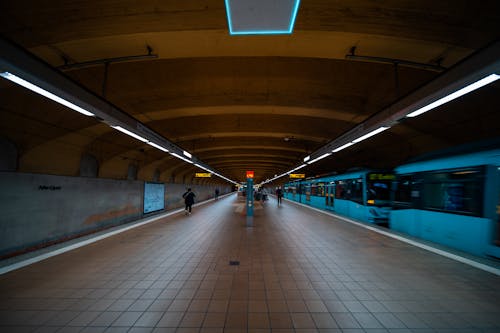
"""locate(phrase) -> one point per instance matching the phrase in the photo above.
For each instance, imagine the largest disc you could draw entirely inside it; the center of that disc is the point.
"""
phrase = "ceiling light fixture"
(342, 147)
(182, 158)
(123, 130)
(465, 90)
(319, 158)
(204, 168)
(158, 146)
(297, 168)
(370, 134)
(261, 17)
(43, 92)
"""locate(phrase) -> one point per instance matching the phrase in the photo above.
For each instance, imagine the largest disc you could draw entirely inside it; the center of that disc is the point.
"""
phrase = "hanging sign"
(203, 175)
(297, 175)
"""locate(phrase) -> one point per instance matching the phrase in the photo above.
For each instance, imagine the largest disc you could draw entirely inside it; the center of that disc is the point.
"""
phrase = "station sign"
(203, 175)
(250, 174)
(297, 175)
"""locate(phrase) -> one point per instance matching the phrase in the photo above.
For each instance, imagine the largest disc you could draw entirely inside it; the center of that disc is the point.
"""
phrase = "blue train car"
(363, 195)
(454, 201)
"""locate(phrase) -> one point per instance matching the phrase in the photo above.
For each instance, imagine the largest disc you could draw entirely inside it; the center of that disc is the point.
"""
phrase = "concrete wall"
(39, 210)
(173, 193)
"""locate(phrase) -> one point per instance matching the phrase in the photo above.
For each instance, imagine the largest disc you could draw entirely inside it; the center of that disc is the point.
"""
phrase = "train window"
(356, 190)
(340, 189)
(379, 187)
(403, 189)
(349, 189)
(321, 190)
(456, 191)
(318, 189)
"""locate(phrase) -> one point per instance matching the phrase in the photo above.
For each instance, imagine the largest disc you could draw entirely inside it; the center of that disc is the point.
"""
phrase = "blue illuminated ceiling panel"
(261, 17)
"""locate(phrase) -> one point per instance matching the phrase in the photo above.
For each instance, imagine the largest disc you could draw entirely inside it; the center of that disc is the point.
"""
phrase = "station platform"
(294, 270)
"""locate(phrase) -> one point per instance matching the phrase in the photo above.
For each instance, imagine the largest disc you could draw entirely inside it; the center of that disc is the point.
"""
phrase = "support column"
(249, 202)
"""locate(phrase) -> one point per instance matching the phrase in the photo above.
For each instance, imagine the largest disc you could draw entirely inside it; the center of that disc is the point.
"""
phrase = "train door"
(329, 193)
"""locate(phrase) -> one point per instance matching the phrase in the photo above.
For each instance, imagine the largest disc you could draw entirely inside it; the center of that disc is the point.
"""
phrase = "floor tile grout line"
(443, 253)
(190, 241)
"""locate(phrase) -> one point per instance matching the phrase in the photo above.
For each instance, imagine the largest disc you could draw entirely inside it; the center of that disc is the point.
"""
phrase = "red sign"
(249, 174)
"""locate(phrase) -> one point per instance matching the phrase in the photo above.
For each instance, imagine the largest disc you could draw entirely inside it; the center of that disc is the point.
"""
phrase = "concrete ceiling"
(241, 103)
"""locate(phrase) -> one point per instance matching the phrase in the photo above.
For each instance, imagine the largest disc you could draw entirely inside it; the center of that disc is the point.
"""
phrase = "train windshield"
(379, 188)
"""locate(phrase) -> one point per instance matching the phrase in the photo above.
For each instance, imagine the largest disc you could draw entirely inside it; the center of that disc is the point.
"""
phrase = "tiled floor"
(300, 271)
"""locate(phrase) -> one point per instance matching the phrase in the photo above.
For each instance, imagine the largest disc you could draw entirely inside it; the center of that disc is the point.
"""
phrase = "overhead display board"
(297, 175)
(203, 175)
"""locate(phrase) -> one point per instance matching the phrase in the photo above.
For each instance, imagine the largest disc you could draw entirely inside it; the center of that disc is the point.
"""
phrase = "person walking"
(279, 195)
(188, 200)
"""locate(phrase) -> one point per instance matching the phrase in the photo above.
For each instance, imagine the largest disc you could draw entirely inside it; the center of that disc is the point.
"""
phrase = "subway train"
(452, 200)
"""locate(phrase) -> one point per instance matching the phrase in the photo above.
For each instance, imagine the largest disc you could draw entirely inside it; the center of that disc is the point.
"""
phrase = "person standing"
(188, 200)
(279, 195)
(216, 194)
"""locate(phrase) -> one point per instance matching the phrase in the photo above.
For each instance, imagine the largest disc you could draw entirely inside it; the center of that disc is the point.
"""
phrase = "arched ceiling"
(241, 103)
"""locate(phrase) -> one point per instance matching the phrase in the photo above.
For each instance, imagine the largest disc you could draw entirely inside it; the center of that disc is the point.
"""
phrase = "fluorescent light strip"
(228, 14)
(343, 147)
(221, 176)
(476, 85)
(297, 168)
(307, 158)
(319, 158)
(185, 153)
(180, 157)
(294, 16)
(123, 130)
(276, 177)
(43, 92)
(202, 167)
(157, 146)
(372, 133)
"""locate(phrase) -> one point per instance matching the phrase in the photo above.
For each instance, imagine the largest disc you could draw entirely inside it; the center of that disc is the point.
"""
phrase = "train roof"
(488, 157)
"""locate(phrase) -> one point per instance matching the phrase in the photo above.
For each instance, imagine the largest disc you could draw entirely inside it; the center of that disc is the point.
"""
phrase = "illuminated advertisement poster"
(154, 197)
